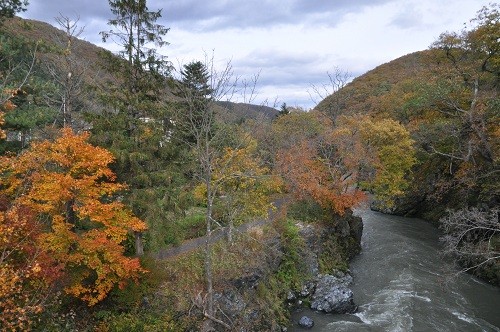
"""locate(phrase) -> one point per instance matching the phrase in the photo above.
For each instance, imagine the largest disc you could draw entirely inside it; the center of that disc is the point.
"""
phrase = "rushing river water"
(402, 284)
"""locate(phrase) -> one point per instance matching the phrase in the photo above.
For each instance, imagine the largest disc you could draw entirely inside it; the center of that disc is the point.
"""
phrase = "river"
(401, 283)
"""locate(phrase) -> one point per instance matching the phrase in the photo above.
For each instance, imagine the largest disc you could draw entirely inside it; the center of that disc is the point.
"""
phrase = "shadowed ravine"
(402, 284)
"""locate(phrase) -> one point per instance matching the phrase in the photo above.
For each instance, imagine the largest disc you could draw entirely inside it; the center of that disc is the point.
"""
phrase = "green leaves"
(8, 8)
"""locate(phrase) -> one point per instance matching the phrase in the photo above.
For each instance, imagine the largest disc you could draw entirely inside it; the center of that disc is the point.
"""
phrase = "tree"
(134, 124)
(67, 72)
(332, 95)
(144, 71)
(283, 110)
(23, 90)
(391, 157)
(243, 184)
(215, 154)
(16, 65)
(26, 271)
(70, 189)
(467, 100)
(472, 237)
(195, 120)
(195, 94)
(8, 8)
(333, 162)
(318, 161)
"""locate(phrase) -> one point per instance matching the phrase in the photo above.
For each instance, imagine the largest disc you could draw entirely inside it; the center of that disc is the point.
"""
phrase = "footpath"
(219, 233)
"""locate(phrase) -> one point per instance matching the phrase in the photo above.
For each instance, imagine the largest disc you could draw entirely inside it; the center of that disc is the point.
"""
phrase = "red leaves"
(69, 189)
(26, 272)
(308, 175)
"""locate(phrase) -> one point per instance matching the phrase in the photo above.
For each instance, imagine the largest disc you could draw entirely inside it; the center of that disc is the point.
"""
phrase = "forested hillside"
(108, 160)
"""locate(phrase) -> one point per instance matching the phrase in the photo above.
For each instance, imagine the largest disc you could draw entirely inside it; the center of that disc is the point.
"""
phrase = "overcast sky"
(291, 43)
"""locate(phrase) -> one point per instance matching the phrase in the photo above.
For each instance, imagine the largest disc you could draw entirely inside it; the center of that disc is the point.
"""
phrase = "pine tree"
(133, 124)
(8, 8)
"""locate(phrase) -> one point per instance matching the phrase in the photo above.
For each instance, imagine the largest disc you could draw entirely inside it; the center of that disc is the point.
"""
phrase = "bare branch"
(468, 235)
(337, 80)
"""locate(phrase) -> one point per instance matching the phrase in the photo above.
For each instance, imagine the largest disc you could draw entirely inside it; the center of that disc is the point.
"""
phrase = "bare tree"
(329, 92)
(67, 70)
(14, 75)
(199, 86)
(471, 236)
(200, 89)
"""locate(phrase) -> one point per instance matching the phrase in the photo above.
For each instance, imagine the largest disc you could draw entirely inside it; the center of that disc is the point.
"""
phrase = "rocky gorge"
(324, 277)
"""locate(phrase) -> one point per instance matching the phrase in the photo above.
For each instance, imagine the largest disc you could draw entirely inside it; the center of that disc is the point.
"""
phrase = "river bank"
(401, 283)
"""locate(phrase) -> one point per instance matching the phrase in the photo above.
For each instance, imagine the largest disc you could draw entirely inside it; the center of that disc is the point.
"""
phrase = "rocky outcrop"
(332, 294)
(341, 240)
(324, 289)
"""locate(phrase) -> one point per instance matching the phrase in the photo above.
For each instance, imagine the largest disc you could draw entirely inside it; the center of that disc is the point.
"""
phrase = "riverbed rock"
(332, 294)
(306, 322)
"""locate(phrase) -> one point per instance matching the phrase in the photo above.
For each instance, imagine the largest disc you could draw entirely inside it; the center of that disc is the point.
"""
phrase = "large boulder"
(306, 322)
(332, 294)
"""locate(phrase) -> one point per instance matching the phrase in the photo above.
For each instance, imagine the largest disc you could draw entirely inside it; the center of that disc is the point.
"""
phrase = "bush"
(306, 210)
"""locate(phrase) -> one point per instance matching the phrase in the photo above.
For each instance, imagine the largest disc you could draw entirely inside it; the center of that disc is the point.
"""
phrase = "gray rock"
(332, 294)
(231, 302)
(306, 322)
(307, 288)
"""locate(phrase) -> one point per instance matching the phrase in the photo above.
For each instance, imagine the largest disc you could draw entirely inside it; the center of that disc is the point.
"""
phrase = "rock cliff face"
(325, 286)
(329, 248)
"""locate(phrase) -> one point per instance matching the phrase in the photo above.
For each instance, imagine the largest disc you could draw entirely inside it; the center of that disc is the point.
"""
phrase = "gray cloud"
(219, 14)
(322, 6)
(216, 15)
(408, 18)
(47, 10)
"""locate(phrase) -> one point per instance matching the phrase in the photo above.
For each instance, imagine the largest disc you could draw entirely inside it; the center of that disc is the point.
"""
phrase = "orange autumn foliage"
(318, 161)
(26, 271)
(308, 175)
(70, 188)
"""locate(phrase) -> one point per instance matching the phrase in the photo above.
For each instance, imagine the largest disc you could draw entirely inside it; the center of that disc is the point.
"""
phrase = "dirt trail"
(218, 234)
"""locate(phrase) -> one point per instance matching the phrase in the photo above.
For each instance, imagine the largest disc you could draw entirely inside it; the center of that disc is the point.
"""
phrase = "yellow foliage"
(69, 182)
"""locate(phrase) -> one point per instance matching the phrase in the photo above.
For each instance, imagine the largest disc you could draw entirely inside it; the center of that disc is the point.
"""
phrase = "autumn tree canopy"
(317, 161)
(69, 188)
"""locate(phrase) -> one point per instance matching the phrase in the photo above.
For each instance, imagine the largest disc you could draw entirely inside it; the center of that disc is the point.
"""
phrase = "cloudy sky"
(289, 44)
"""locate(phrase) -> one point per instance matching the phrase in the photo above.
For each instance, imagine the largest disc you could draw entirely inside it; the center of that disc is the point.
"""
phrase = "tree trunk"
(208, 264)
(139, 245)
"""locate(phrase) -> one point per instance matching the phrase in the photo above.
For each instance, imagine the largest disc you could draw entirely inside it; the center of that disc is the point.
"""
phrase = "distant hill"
(51, 42)
(365, 93)
(238, 111)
